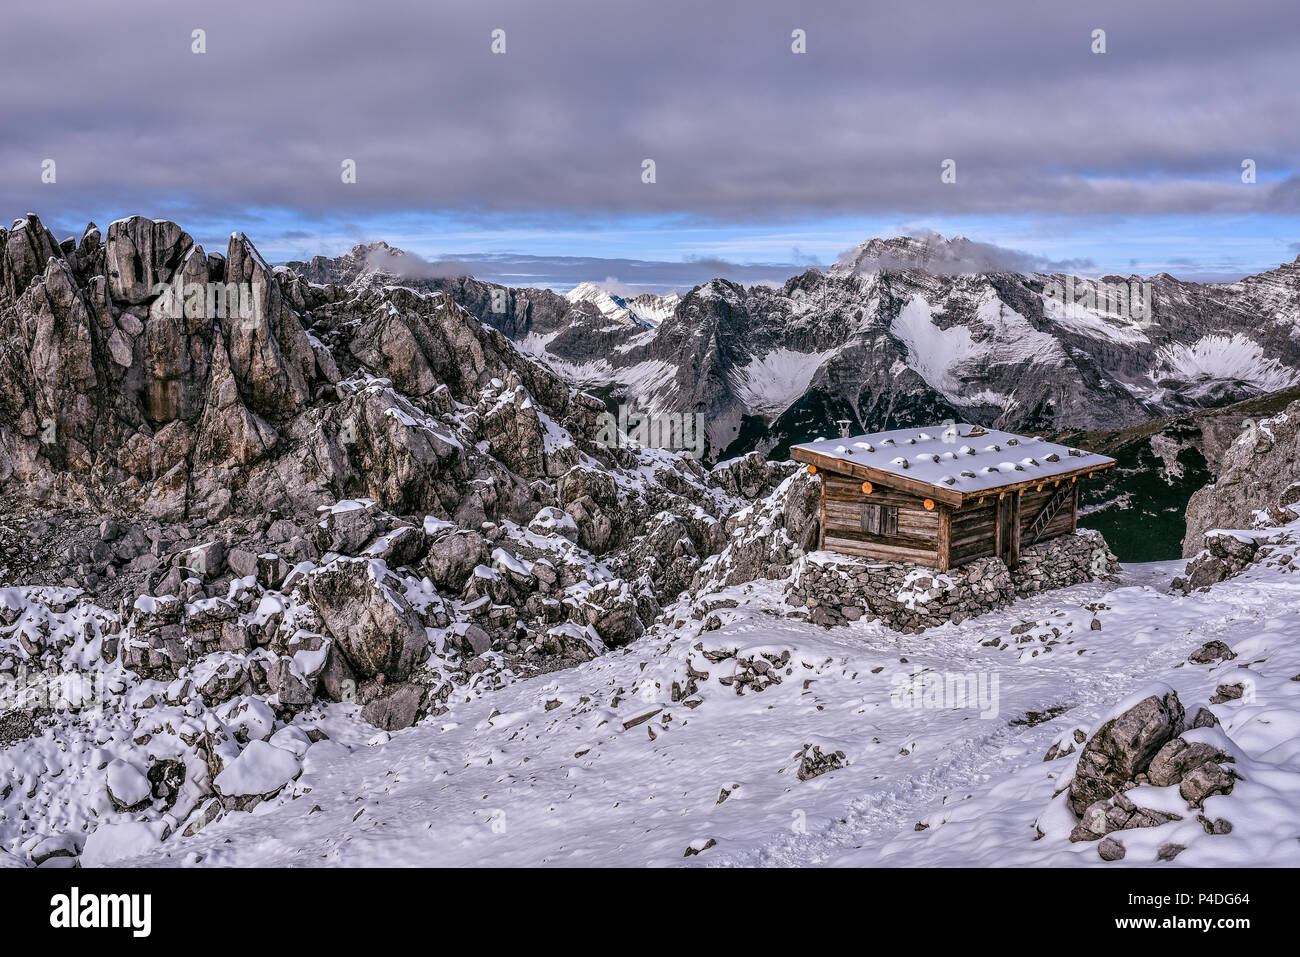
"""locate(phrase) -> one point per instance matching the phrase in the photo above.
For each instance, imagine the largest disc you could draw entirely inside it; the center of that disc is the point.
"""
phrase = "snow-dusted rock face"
(356, 497)
(1258, 483)
(201, 447)
(766, 539)
(1231, 552)
(325, 497)
(836, 589)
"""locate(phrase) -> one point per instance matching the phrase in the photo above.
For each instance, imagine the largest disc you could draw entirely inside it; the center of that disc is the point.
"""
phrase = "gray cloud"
(555, 130)
(626, 277)
(938, 255)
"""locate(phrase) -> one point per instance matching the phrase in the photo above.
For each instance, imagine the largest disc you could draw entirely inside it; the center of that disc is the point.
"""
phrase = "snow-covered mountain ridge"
(646, 309)
(903, 331)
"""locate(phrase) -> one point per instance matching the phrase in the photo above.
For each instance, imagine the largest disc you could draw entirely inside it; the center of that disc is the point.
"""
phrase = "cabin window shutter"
(889, 520)
(880, 519)
(871, 519)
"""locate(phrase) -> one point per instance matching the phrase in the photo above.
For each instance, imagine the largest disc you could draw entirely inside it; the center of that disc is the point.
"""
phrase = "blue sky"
(677, 252)
(1209, 249)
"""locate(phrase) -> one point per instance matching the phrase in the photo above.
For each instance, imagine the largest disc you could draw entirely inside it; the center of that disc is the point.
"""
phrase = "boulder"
(396, 708)
(1203, 781)
(1123, 747)
(166, 778)
(451, 560)
(1111, 850)
(611, 609)
(1210, 653)
(374, 626)
(127, 786)
(1178, 757)
(347, 526)
(259, 773)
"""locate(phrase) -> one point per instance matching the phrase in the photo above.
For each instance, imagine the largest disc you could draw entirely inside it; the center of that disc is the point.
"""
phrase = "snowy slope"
(770, 384)
(605, 764)
(1214, 359)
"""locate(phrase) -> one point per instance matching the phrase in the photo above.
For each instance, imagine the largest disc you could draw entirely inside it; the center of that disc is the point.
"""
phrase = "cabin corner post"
(945, 537)
(821, 525)
(1013, 556)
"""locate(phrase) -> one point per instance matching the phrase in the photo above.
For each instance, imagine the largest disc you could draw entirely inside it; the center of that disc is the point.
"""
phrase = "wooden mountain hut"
(945, 496)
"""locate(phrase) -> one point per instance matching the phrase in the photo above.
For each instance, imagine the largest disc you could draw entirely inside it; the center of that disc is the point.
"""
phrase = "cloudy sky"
(766, 160)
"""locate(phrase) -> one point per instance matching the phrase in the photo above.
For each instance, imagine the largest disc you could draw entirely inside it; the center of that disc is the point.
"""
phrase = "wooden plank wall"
(918, 528)
(941, 537)
(974, 526)
(974, 532)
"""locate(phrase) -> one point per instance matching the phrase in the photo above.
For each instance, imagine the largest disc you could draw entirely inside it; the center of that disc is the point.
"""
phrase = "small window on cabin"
(880, 519)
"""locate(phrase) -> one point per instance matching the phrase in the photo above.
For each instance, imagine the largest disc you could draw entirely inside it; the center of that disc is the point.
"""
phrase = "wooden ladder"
(1048, 512)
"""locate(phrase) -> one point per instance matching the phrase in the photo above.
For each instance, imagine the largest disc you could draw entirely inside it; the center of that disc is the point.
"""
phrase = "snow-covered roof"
(956, 460)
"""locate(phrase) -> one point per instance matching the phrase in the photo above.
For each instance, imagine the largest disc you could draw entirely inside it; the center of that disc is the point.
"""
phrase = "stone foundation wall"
(909, 598)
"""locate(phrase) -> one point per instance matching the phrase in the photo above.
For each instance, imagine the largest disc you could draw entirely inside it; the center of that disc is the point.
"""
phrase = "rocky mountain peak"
(929, 253)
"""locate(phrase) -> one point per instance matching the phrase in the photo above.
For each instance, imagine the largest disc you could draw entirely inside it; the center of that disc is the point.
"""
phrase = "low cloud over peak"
(931, 252)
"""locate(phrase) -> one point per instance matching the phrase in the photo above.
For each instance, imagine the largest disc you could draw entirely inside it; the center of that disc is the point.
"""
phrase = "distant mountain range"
(899, 331)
